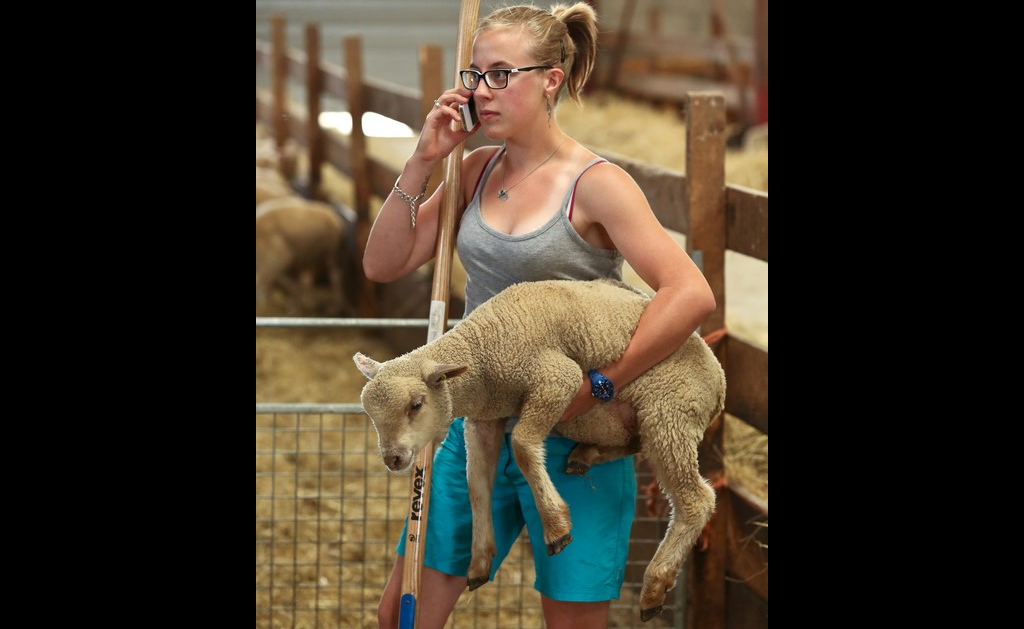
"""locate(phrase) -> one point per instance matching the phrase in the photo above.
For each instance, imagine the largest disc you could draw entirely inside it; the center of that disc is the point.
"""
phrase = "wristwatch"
(601, 387)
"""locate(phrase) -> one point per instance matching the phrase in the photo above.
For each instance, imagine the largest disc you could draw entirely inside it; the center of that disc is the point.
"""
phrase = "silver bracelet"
(412, 201)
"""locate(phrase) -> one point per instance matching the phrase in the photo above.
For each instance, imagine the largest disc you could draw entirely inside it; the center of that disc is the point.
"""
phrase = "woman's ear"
(555, 78)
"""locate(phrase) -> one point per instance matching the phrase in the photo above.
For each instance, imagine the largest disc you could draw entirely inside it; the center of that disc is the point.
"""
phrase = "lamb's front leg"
(483, 449)
(547, 397)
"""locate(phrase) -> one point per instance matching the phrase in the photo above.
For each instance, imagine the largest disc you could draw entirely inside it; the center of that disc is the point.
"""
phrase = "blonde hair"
(564, 37)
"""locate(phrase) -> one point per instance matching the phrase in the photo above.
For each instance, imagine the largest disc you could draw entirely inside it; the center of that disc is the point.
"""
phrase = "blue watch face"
(601, 387)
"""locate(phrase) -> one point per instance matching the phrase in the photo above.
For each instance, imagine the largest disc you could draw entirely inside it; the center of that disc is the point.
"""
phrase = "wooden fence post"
(610, 80)
(279, 80)
(761, 59)
(356, 89)
(314, 134)
(705, 195)
(354, 86)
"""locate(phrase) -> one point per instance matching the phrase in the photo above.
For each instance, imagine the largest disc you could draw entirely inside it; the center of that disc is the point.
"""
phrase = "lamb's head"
(409, 402)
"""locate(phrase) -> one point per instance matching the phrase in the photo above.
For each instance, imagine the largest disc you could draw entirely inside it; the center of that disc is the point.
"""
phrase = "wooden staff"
(419, 502)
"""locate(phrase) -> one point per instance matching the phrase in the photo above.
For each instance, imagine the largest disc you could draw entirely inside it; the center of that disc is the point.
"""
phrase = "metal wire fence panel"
(328, 516)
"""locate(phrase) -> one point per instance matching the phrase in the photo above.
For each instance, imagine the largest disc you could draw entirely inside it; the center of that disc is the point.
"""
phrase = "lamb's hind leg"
(617, 426)
(674, 460)
(483, 450)
(586, 455)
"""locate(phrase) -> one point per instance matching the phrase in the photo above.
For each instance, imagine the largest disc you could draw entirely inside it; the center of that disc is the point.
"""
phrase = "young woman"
(540, 207)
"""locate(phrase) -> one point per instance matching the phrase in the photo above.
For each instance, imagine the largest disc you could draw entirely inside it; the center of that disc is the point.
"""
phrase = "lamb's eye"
(416, 406)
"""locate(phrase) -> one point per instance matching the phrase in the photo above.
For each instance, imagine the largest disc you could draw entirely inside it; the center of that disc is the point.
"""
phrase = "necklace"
(503, 193)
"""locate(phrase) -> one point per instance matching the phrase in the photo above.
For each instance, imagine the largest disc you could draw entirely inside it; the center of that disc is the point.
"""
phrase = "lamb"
(284, 160)
(523, 352)
(295, 236)
(271, 184)
(274, 167)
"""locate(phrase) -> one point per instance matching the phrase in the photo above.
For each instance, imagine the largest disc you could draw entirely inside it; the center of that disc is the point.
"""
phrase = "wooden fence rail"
(727, 582)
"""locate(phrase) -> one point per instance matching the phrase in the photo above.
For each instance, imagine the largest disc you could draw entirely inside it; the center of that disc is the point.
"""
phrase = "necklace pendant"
(503, 195)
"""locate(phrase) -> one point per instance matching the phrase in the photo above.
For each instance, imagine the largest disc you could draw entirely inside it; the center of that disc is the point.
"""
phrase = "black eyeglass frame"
(508, 74)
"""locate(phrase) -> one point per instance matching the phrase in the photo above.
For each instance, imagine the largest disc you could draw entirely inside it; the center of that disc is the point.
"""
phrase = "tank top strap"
(572, 190)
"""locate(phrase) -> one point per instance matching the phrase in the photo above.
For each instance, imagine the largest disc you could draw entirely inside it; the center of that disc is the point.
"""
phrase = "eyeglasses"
(495, 79)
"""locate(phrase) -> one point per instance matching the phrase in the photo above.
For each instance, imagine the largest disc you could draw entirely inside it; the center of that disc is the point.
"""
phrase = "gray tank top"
(495, 260)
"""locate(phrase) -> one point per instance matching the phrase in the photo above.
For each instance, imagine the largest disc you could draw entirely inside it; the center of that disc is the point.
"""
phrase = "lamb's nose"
(392, 461)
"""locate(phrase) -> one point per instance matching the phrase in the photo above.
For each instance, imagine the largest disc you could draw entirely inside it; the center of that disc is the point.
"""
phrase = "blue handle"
(407, 612)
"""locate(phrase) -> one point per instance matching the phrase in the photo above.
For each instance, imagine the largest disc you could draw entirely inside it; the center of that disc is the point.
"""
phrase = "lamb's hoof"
(556, 546)
(476, 582)
(647, 614)
(576, 468)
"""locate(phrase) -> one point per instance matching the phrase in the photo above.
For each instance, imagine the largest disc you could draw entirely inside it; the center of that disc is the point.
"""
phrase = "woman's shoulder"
(602, 176)
(603, 186)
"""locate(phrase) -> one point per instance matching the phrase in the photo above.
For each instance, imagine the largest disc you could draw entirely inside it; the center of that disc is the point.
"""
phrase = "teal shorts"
(601, 504)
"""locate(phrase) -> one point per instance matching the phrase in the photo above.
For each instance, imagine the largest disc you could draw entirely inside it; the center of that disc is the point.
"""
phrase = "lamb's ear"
(439, 373)
(366, 365)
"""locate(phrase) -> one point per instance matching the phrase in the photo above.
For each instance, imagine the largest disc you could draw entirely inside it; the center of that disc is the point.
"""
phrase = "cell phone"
(469, 119)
